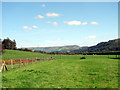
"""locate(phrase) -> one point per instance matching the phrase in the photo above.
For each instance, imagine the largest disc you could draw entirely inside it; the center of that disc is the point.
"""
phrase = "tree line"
(8, 44)
(11, 45)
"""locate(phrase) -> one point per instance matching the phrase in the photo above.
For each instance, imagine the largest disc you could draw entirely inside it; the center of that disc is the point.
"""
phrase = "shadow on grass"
(34, 71)
(115, 58)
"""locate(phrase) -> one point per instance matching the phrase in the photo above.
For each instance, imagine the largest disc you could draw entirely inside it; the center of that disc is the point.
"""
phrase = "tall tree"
(14, 44)
(9, 44)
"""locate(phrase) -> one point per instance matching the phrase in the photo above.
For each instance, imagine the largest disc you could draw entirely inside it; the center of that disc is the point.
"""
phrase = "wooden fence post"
(32, 60)
(27, 61)
(23, 62)
(20, 63)
(1, 68)
(4, 66)
(11, 64)
(36, 59)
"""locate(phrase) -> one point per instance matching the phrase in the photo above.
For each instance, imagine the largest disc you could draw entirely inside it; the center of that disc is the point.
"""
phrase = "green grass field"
(68, 72)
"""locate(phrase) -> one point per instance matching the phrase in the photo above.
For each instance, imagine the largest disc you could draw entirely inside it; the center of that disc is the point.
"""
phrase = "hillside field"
(67, 71)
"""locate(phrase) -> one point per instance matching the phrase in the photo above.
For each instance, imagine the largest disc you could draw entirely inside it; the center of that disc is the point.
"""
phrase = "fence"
(17, 63)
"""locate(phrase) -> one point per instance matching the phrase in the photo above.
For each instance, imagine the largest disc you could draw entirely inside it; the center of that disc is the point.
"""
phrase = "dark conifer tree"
(9, 44)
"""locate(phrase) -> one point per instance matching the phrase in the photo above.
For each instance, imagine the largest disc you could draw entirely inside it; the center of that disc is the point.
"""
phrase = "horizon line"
(65, 45)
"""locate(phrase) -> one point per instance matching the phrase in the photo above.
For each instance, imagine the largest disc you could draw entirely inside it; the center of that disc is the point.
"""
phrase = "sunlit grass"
(69, 72)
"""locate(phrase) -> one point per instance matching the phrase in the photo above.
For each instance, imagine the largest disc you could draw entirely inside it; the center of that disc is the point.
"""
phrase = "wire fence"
(17, 63)
(9, 64)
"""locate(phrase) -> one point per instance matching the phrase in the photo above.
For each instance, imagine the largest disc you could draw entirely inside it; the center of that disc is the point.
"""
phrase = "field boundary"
(18, 63)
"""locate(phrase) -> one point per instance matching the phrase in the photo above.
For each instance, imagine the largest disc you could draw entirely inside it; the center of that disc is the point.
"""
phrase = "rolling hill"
(111, 45)
(56, 49)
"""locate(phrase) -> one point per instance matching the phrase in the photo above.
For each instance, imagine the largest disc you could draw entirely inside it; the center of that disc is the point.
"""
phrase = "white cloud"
(91, 37)
(73, 22)
(54, 23)
(26, 27)
(39, 16)
(34, 26)
(43, 5)
(84, 23)
(52, 14)
(94, 23)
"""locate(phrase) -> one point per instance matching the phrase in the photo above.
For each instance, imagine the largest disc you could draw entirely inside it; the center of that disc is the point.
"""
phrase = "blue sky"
(61, 23)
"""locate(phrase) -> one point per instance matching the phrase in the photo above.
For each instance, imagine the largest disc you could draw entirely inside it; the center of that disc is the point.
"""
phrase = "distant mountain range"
(56, 49)
(111, 45)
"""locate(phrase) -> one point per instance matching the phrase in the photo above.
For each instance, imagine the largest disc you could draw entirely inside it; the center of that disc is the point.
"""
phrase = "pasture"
(67, 71)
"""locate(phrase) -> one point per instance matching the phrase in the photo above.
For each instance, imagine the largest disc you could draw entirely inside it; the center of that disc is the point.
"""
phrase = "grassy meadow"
(67, 71)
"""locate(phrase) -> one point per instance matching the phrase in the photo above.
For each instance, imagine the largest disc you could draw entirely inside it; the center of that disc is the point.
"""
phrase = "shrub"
(82, 58)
